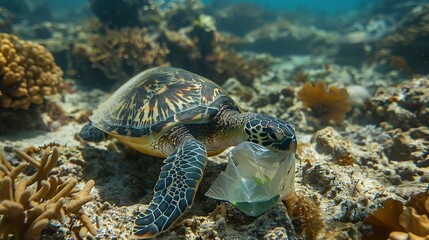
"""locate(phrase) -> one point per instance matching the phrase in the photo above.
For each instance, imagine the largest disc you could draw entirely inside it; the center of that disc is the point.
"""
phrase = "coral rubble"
(28, 73)
(29, 203)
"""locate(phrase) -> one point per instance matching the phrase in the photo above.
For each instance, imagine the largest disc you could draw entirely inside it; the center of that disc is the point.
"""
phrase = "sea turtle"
(170, 112)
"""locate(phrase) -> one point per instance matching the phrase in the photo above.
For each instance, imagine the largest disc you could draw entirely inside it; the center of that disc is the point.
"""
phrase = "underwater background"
(351, 76)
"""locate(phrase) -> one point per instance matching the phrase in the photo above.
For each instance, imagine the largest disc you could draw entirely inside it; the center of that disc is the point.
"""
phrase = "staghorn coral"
(329, 104)
(27, 73)
(120, 54)
(28, 203)
(395, 220)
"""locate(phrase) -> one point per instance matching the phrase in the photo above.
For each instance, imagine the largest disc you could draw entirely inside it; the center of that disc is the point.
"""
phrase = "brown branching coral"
(329, 104)
(205, 51)
(27, 73)
(28, 203)
(228, 63)
(395, 220)
(120, 54)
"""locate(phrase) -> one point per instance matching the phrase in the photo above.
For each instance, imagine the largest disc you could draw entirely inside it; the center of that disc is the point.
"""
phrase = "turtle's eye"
(274, 135)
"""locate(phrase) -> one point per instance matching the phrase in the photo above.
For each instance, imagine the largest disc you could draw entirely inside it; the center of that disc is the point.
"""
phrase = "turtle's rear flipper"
(91, 133)
(175, 190)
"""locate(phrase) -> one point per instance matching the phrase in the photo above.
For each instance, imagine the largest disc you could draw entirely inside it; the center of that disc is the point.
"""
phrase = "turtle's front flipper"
(175, 190)
(91, 133)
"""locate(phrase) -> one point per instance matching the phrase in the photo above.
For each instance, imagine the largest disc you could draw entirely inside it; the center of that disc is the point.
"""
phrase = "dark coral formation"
(404, 106)
(125, 13)
(28, 73)
(395, 220)
(120, 54)
(28, 203)
(328, 103)
(410, 145)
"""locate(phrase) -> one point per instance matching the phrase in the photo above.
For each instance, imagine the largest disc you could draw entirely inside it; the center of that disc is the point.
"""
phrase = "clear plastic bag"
(255, 178)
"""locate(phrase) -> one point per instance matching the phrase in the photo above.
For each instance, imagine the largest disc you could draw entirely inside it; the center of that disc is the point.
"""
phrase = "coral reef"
(408, 43)
(403, 106)
(228, 63)
(395, 220)
(327, 103)
(409, 145)
(28, 203)
(138, 12)
(120, 54)
(6, 19)
(342, 151)
(203, 50)
(182, 14)
(27, 73)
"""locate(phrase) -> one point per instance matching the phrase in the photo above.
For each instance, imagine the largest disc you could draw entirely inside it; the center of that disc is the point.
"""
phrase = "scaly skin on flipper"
(175, 190)
(91, 133)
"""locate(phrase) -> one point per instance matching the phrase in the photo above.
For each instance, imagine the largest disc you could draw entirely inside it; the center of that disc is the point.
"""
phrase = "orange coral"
(396, 221)
(27, 73)
(329, 104)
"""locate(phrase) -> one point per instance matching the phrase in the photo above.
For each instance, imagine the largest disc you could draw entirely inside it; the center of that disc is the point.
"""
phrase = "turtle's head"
(270, 132)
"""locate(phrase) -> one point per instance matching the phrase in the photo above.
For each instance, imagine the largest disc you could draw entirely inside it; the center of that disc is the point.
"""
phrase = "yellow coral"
(396, 221)
(28, 208)
(27, 73)
(329, 104)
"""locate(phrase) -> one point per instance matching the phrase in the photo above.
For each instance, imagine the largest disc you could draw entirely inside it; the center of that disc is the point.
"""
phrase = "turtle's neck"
(232, 122)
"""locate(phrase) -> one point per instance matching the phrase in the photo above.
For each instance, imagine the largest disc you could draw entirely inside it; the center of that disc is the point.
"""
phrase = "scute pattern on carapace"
(160, 100)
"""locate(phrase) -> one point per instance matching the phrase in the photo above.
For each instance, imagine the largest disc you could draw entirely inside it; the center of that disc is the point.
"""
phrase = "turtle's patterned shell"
(157, 99)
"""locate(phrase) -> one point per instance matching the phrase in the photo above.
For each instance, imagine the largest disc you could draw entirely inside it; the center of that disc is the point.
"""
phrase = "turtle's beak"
(288, 145)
